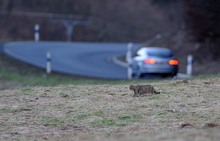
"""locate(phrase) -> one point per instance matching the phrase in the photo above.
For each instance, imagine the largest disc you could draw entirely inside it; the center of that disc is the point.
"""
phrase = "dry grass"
(185, 110)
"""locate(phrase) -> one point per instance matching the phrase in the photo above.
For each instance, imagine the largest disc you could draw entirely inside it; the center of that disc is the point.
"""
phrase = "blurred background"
(186, 27)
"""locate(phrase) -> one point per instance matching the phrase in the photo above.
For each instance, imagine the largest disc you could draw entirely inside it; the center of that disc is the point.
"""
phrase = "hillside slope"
(111, 21)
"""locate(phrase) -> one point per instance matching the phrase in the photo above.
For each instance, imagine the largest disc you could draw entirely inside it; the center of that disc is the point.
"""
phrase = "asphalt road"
(84, 59)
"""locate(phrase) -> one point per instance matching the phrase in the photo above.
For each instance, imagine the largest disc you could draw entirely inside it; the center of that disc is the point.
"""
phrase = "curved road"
(85, 59)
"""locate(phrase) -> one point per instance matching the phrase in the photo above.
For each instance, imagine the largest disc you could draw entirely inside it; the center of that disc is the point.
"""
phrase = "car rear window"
(161, 54)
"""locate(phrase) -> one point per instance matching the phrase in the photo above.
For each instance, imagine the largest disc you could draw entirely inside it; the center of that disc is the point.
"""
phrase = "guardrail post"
(48, 64)
(189, 65)
(129, 60)
(36, 32)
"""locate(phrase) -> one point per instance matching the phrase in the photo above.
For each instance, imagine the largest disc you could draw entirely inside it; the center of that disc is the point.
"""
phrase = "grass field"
(185, 110)
(34, 106)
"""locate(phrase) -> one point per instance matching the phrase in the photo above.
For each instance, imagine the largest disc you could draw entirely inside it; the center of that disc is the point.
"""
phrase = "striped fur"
(143, 90)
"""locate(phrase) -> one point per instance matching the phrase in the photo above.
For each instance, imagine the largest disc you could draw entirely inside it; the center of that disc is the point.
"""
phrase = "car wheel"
(138, 73)
(173, 74)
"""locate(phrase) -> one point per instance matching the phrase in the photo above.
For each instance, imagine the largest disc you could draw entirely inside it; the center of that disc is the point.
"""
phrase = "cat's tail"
(156, 92)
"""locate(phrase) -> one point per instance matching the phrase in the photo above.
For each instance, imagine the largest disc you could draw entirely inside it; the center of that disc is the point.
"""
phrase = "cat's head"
(132, 87)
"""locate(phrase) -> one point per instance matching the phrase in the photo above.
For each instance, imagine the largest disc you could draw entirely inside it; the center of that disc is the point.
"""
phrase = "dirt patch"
(109, 112)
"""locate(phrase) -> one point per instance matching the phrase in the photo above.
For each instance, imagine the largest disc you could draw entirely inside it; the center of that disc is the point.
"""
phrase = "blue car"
(154, 61)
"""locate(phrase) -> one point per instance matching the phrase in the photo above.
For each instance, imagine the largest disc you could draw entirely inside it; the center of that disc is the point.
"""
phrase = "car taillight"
(173, 62)
(149, 61)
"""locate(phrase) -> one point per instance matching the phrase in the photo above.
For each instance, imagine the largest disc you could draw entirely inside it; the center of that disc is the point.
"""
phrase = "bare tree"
(128, 20)
(203, 20)
(111, 20)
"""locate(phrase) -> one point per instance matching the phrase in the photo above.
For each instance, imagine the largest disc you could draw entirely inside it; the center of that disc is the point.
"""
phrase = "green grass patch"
(104, 122)
(98, 113)
(26, 91)
(127, 119)
(121, 120)
(82, 116)
(51, 121)
(5, 110)
(58, 106)
(87, 115)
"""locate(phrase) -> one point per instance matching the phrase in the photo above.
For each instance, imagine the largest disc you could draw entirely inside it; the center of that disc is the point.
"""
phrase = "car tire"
(138, 73)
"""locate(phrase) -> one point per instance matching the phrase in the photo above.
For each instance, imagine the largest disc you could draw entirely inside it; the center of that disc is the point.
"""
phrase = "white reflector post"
(36, 32)
(48, 64)
(129, 60)
(189, 65)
